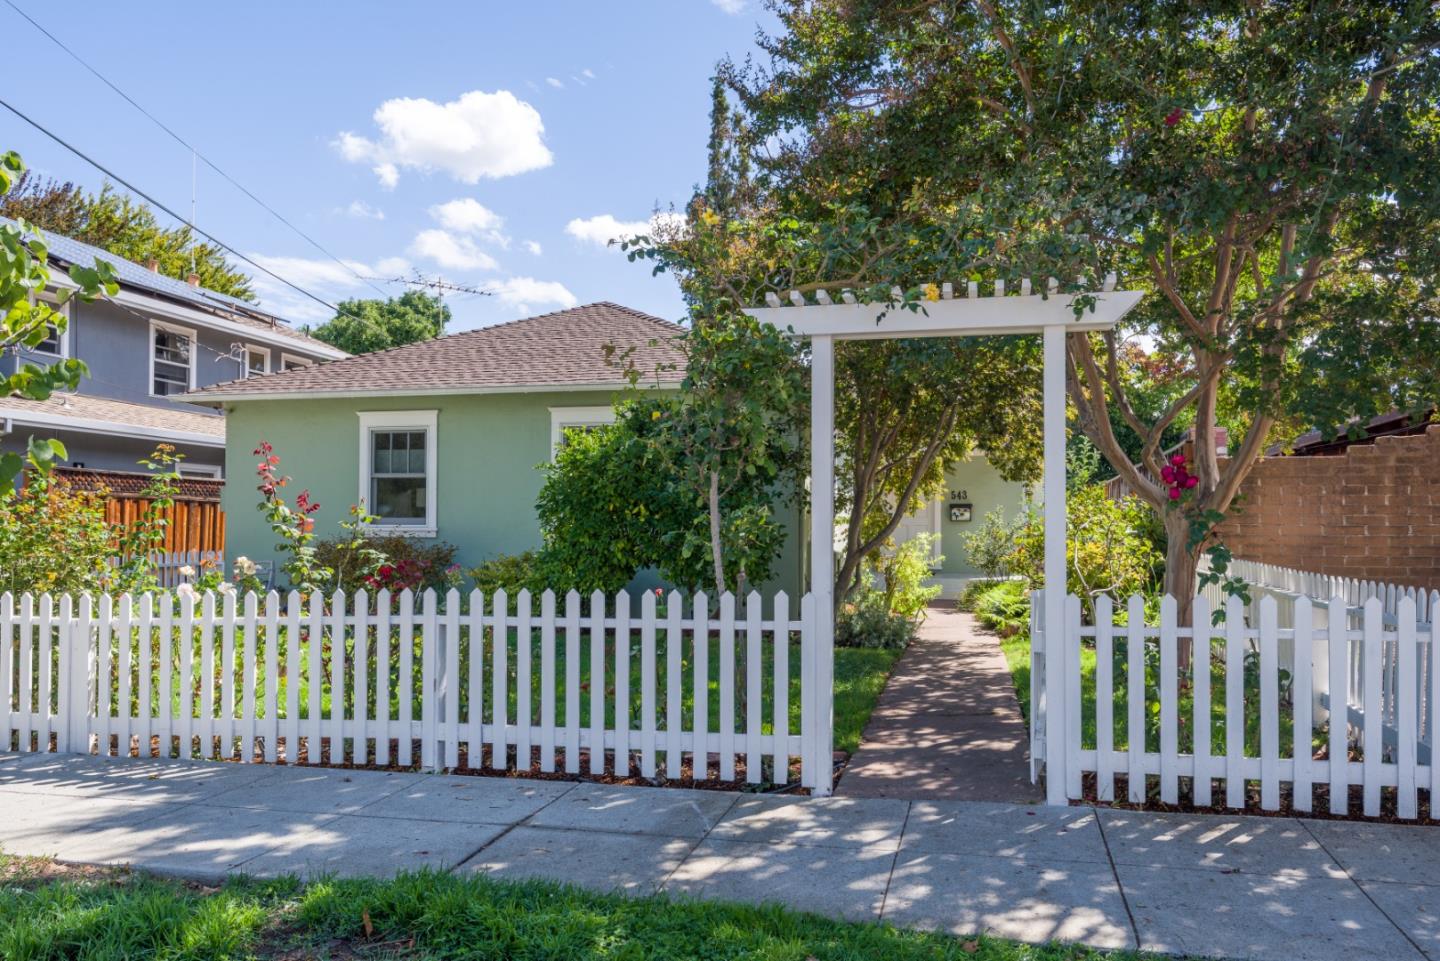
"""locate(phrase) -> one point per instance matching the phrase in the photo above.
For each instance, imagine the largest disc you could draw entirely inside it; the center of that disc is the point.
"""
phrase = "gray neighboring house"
(155, 340)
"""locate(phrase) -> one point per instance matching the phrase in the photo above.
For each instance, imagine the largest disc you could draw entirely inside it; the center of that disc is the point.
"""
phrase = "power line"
(184, 143)
(136, 190)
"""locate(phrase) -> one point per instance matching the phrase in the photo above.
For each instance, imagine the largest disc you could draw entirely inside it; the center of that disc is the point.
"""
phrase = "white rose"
(187, 571)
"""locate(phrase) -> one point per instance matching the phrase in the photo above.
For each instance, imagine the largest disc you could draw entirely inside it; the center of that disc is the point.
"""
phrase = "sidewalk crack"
(523, 822)
(894, 861)
(1361, 888)
(1115, 873)
(696, 846)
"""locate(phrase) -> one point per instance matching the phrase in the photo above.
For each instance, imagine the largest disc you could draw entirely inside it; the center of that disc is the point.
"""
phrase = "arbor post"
(820, 672)
(1057, 736)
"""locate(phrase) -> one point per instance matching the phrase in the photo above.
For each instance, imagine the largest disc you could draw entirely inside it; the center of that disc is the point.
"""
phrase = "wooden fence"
(190, 525)
(1244, 714)
(420, 679)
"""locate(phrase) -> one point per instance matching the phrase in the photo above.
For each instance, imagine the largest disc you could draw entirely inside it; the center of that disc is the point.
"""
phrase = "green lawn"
(49, 913)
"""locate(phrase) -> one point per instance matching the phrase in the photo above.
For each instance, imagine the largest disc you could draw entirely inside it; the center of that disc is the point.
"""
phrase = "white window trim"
(64, 310)
(150, 349)
(286, 358)
(563, 417)
(372, 420)
(245, 362)
(202, 471)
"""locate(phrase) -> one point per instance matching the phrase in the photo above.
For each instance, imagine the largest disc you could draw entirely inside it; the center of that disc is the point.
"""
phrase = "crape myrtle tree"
(27, 319)
(1268, 172)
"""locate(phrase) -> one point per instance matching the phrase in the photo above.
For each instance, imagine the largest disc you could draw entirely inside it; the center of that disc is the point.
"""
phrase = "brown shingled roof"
(92, 413)
(564, 349)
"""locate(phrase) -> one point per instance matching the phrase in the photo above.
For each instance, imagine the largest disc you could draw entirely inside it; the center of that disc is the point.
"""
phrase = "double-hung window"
(563, 420)
(257, 361)
(172, 359)
(57, 341)
(397, 470)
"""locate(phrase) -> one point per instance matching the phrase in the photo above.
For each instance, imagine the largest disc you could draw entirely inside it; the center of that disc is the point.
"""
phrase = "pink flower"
(1174, 493)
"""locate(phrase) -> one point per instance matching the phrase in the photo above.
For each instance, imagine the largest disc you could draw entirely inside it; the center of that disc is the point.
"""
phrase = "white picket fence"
(1132, 708)
(253, 679)
(1288, 585)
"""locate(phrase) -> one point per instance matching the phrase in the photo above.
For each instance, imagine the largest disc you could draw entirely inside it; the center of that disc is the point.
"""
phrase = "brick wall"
(1372, 512)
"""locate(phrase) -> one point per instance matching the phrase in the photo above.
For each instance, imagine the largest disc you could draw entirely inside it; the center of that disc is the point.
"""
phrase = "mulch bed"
(1320, 807)
(710, 781)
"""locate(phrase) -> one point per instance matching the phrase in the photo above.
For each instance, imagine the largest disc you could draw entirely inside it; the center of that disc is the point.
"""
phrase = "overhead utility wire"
(188, 146)
(136, 190)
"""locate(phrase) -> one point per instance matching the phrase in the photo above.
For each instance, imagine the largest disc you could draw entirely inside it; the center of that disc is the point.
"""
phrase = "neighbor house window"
(172, 359)
(563, 420)
(397, 469)
(290, 362)
(257, 361)
(56, 342)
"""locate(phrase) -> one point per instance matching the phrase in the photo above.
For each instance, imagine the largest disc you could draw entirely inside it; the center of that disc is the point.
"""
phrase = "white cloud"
(588, 74)
(555, 83)
(360, 210)
(533, 246)
(526, 293)
(603, 228)
(468, 216)
(731, 7)
(452, 251)
(475, 136)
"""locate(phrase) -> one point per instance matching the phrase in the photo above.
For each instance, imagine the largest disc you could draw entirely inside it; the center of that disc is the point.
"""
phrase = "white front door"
(925, 520)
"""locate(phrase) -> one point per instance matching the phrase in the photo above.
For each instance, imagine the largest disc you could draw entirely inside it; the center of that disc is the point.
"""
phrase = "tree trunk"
(1181, 563)
(715, 550)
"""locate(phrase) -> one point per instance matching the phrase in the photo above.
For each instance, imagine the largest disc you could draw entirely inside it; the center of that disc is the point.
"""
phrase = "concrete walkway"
(1262, 888)
(947, 726)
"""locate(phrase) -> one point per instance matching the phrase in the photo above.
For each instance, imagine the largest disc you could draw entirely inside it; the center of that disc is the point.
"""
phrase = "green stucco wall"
(976, 482)
(488, 452)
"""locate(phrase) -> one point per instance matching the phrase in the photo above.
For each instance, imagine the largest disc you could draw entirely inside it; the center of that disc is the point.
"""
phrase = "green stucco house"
(444, 439)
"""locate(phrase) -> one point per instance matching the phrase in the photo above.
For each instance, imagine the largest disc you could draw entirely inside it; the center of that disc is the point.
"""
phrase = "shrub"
(1004, 607)
(870, 625)
(594, 510)
(900, 576)
(54, 538)
(968, 597)
(1109, 550)
(392, 563)
(511, 573)
(990, 546)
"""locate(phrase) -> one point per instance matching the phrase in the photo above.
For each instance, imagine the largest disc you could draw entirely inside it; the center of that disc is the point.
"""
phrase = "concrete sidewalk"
(1263, 888)
(947, 727)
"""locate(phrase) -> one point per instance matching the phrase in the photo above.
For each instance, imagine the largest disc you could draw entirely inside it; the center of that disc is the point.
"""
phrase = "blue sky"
(491, 144)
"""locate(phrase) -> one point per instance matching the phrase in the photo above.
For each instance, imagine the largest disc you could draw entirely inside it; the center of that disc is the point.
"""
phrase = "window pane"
(172, 347)
(255, 361)
(51, 343)
(172, 363)
(417, 461)
(398, 500)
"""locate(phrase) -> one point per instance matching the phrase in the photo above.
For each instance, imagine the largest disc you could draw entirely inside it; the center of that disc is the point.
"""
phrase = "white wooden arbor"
(824, 320)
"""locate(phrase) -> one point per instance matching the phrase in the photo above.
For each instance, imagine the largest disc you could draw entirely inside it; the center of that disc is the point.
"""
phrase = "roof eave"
(219, 398)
